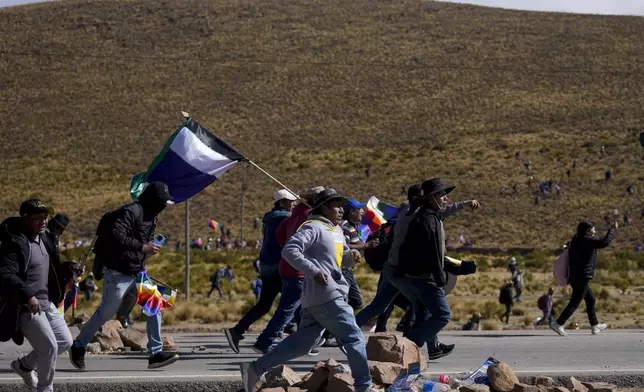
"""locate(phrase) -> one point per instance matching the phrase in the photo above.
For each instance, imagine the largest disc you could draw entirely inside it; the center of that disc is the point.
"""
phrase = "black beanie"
(583, 228)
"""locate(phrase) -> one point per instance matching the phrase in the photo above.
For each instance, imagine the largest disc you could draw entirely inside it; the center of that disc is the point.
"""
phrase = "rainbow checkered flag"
(152, 298)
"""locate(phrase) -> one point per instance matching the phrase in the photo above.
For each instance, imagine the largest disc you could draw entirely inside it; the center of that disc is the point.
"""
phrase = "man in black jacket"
(423, 267)
(582, 256)
(32, 284)
(124, 246)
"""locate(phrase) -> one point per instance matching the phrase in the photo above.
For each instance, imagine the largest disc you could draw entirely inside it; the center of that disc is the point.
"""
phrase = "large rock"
(575, 386)
(134, 339)
(108, 336)
(474, 388)
(281, 377)
(543, 381)
(525, 388)
(295, 389)
(502, 377)
(169, 344)
(340, 382)
(599, 386)
(384, 347)
(385, 372)
(317, 379)
(94, 348)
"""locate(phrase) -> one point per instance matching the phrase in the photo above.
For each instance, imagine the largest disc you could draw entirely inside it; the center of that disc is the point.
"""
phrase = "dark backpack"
(376, 257)
(505, 296)
(103, 237)
(542, 302)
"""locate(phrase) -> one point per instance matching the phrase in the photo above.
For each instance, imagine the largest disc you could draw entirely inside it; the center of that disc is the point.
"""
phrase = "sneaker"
(249, 376)
(233, 339)
(259, 350)
(77, 357)
(331, 342)
(162, 359)
(442, 351)
(314, 351)
(28, 376)
(320, 342)
(290, 329)
(595, 329)
(344, 350)
(559, 329)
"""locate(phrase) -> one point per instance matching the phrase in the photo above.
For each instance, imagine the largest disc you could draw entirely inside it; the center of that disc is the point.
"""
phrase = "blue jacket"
(271, 253)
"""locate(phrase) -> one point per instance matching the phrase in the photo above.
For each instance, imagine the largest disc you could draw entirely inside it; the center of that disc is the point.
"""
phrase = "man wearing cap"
(269, 259)
(288, 307)
(124, 245)
(423, 267)
(318, 249)
(31, 279)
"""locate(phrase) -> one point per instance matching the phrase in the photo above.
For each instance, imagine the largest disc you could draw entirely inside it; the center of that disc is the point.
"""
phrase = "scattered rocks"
(384, 347)
(340, 382)
(133, 339)
(558, 389)
(599, 386)
(474, 388)
(525, 388)
(296, 389)
(385, 372)
(575, 386)
(502, 377)
(94, 348)
(543, 381)
(108, 336)
(317, 380)
(281, 377)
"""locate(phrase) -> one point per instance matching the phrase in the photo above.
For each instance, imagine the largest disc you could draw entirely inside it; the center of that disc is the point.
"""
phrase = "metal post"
(241, 212)
(186, 278)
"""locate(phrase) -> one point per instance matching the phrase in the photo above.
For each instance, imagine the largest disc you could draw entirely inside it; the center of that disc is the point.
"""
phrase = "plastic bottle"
(433, 386)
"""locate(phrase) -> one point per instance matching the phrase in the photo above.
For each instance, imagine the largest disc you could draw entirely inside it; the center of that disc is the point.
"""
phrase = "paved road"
(613, 353)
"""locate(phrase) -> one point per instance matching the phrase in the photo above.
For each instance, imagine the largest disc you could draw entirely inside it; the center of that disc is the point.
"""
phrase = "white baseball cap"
(284, 194)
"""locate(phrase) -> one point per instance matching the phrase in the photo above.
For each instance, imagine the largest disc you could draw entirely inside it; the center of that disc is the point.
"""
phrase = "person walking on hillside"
(288, 308)
(422, 268)
(318, 249)
(513, 265)
(269, 259)
(545, 305)
(506, 299)
(215, 283)
(32, 283)
(582, 257)
(125, 242)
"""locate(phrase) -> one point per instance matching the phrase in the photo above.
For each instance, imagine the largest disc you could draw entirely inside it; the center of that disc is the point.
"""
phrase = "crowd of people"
(311, 245)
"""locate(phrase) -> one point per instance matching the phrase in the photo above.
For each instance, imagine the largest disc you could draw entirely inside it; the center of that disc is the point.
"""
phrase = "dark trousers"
(271, 287)
(508, 312)
(580, 291)
(355, 296)
(214, 287)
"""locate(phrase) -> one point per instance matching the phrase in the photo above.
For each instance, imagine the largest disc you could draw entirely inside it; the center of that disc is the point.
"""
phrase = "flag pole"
(186, 278)
(273, 178)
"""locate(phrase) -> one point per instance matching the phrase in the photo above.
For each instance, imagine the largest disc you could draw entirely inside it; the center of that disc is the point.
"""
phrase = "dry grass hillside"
(314, 91)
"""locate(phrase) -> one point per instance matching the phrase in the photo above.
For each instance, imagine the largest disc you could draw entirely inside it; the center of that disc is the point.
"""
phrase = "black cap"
(34, 206)
(159, 190)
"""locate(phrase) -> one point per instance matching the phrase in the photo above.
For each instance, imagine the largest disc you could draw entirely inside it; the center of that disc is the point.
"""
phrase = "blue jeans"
(285, 312)
(115, 285)
(337, 317)
(438, 314)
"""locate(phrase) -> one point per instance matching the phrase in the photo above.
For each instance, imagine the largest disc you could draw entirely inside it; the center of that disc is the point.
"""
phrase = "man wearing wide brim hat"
(425, 279)
(318, 249)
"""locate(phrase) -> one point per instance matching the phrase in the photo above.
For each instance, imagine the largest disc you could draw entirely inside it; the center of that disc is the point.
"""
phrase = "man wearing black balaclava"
(124, 243)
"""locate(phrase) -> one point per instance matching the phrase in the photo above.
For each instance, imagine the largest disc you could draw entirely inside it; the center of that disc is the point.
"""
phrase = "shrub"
(491, 325)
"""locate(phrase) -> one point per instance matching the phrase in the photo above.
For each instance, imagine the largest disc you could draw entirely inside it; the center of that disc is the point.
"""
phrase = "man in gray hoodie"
(318, 249)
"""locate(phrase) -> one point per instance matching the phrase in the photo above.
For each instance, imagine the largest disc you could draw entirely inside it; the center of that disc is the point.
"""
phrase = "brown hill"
(314, 91)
